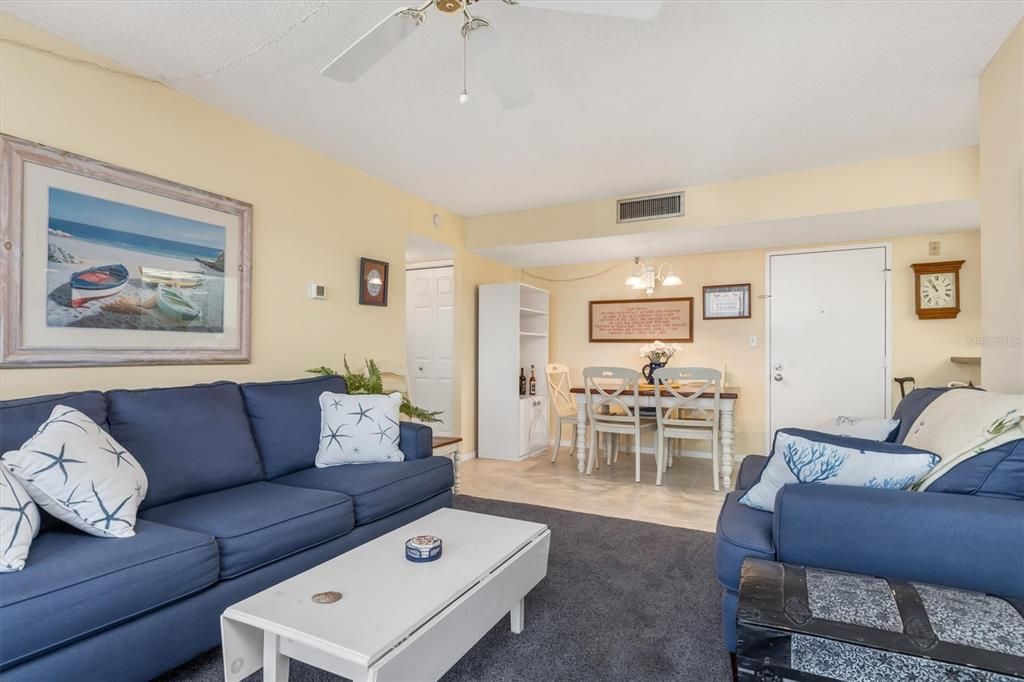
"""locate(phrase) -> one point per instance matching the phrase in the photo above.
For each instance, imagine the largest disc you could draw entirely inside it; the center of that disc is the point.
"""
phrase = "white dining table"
(647, 398)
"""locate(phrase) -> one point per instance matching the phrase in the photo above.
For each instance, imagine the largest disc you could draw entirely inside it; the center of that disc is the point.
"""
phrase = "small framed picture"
(727, 302)
(373, 282)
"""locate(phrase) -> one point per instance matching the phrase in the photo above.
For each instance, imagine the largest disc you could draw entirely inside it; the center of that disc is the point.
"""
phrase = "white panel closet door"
(827, 336)
(430, 340)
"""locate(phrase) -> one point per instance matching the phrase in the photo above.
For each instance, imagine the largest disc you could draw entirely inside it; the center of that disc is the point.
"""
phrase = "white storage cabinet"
(513, 334)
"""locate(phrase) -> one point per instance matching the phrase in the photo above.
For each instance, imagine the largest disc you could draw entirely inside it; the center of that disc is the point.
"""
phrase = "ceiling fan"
(480, 39)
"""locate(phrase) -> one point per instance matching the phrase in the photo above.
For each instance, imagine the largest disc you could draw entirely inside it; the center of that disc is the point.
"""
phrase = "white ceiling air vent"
(650, 208)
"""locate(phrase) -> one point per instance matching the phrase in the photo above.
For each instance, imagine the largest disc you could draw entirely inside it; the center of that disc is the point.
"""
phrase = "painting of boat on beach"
(117, 266)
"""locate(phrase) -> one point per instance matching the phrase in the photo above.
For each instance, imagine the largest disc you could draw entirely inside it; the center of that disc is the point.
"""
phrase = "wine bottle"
(522, 381)
(533, 382)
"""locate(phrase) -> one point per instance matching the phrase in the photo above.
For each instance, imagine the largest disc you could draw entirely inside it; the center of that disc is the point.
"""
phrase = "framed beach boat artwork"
(107, 266)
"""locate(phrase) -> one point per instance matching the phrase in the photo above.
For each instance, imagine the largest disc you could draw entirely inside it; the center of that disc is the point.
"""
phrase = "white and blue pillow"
(77, 472)
(358, 429)
(19, 523)
(801, 456)
(860, 427)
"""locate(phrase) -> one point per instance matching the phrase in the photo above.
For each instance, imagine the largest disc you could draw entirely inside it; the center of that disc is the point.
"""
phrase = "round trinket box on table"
(423, 548)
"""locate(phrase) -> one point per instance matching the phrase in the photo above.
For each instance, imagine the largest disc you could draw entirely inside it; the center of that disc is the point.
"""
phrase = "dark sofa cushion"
(190, 440)
(380, 488)
(742, 532)
(261, 522)
(21, 418)
(750, 471)
(285, 417)
(999, 472)
(76, 584)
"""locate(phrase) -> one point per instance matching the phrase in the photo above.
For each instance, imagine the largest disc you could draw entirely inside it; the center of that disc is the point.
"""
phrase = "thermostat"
(317, 290)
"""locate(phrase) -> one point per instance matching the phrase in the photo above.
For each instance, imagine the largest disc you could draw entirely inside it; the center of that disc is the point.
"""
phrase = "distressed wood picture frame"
(165, 280)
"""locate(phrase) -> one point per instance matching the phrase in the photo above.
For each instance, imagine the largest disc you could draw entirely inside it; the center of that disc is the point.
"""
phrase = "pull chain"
(464, 97)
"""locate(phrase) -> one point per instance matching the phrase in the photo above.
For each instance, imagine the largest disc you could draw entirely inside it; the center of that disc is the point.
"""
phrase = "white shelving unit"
(513, 334)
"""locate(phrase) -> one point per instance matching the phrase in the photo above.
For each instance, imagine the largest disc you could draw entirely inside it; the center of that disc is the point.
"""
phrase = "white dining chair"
(562, 403)
(612, 397)
(675, 446)
(677, 390)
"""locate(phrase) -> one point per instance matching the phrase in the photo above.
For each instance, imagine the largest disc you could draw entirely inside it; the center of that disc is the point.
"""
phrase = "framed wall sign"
(106, 266)
(727, 302)
(641, 320)
(373, 282)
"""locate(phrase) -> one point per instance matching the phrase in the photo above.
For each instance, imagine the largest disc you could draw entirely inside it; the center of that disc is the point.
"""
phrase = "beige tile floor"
(685, 499)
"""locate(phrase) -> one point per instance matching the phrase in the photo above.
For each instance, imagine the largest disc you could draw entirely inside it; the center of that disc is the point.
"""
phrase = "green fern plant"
(370, 382)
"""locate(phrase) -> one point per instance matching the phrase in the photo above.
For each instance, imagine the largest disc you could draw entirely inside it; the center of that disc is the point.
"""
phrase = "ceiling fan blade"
(361, 55)
(499, 67)
(627, 9)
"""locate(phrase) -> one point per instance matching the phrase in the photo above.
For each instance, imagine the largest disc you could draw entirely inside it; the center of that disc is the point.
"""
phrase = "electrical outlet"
(934, 248)
(753, 341)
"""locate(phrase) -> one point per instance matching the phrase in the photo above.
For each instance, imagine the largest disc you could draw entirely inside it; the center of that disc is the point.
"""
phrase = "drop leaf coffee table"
(395, 620)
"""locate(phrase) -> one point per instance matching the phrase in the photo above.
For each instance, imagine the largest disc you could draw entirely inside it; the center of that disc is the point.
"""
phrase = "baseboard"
(463, 456)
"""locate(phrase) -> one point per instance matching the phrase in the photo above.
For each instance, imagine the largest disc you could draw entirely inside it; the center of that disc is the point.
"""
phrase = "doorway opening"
(430, 328)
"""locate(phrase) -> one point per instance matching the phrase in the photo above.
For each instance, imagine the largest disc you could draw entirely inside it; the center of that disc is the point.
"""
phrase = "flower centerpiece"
(657, 354)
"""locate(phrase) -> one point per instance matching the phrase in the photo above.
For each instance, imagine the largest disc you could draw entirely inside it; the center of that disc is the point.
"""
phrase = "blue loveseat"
(966, 530)
(235, 505)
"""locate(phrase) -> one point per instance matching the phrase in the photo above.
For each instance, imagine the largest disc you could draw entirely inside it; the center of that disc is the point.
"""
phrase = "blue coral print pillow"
(801, 456)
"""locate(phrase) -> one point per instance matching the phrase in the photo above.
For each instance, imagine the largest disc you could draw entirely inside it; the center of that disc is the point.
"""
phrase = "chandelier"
(644, 277)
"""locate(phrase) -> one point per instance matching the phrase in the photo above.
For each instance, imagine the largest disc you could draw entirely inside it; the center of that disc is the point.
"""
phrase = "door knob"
(420, 368)
(777, 377)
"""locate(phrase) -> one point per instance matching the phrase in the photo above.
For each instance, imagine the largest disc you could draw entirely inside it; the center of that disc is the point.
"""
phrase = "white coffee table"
(396, 620)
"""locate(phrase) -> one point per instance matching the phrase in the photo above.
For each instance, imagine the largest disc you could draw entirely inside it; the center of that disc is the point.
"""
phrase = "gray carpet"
(622, 600)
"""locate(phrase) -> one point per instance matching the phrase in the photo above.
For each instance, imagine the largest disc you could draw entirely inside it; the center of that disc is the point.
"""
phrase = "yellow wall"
(920, 348)
(1002, 214)
(949, 175)
(313, 218)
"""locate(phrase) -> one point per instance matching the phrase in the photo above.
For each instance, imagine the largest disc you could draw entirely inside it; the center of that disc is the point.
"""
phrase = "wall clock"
(938, 289)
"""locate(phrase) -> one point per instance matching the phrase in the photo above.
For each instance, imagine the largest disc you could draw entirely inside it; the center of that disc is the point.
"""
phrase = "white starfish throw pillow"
(76, 471)
(356, 429)
(19, 523)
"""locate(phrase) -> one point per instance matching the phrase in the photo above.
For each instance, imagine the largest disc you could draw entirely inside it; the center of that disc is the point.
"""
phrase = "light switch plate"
(753, 342)
(934, 248)
(317, 291)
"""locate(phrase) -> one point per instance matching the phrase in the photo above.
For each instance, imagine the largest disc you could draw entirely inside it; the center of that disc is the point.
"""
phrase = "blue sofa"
(966, 530)
(235, 505)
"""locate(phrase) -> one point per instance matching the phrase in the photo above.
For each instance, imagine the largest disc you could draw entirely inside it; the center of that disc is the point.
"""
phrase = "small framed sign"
(727, 302)
(373, 282)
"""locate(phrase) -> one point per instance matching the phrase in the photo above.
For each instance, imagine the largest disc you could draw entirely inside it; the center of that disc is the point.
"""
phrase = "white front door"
(828, 336)
(429, 301)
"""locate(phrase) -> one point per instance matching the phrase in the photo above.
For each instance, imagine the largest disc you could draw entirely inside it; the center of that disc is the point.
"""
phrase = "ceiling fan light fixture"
(497, 65)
